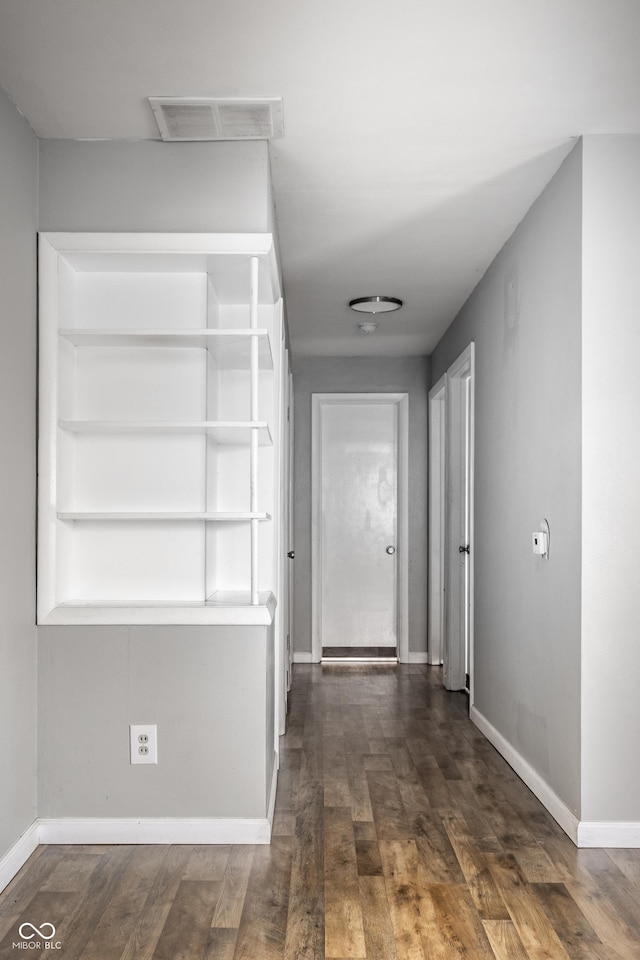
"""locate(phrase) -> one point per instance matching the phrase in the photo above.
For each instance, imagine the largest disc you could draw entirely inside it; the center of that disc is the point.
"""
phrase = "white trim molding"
(302, 656)
(273, 787)
(107, 830)
(458, 482)
(103, 830)
(18, 854)
(608, 833)
(539, 787)
(584, 833)
(162, 829)
(437, 517)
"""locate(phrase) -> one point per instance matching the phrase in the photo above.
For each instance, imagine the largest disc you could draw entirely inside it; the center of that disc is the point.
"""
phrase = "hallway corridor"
(399, 834)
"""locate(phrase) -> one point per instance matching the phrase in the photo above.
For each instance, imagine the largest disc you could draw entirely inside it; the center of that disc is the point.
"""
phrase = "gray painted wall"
(611, 468)
(149, 185)
(187, 680)
(18, 202)
(361, 375)
(525, 318)
(206, 688)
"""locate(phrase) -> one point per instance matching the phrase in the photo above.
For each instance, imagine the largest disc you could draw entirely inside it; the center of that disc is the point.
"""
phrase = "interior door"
(290, 531)
(283, 609)
(358, 527)
(437, 520)
(458, 645)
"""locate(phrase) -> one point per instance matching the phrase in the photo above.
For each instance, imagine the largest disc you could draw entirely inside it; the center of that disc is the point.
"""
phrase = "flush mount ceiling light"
(375, 304)
(211, 118)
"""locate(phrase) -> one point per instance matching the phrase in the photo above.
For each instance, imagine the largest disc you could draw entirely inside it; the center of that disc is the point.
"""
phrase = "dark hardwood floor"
(399, 834)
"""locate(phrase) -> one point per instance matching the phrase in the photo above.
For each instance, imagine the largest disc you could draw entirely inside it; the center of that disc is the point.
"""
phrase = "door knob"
(291, 554)
(463, 549)
(391, 550)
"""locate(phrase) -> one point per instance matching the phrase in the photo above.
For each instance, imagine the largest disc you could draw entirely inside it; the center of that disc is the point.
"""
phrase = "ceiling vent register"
(204, 118)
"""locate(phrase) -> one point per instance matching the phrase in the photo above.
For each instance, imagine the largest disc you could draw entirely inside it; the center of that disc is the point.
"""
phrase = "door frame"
(457, 413)
(283, 609)
(290, 529)
(437, 520)
(401, 401)
(281, 616)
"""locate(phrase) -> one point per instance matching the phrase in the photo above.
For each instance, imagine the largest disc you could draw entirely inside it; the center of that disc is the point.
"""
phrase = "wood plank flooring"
(399, 834)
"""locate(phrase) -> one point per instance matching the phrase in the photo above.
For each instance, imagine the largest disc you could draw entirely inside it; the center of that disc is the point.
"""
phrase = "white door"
(282, 616)
(357, 524)
(458, 645)
(437, 518)
(290, 532)
(285, 546)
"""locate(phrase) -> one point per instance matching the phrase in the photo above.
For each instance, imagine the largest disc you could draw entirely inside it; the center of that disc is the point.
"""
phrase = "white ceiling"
(417, 133)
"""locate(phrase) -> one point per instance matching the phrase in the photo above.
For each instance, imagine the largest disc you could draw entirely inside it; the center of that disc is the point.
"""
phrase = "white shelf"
(160, 376)
(225, 432)
(223, 256)
(217, 517)
(231, 348)
(233, 608)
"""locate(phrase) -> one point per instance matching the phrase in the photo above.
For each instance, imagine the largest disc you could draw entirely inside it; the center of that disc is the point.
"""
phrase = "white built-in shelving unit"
(159, 412)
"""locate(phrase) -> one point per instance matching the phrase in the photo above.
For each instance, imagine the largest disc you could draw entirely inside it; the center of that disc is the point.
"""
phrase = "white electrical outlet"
(143, 739)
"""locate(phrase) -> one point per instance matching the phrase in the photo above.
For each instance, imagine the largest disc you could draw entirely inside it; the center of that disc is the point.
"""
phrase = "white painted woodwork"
(225, 432)
(280, 547)
(358, 521)
(289, 575)
(166, 515)
(255, 404)
(224, 607)
(458, 644)
(18, 853)
(230, 348)
(437, 513)
(158, 393)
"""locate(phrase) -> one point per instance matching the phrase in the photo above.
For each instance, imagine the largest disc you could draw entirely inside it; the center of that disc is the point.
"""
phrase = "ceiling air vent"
(204, 118)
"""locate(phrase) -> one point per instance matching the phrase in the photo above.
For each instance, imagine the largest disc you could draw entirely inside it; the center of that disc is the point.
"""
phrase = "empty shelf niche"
(157, 402)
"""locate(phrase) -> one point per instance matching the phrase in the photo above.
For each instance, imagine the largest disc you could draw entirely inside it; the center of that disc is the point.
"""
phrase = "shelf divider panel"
(253, 482)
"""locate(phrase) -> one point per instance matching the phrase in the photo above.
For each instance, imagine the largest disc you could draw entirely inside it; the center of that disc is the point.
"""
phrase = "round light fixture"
(375, 304)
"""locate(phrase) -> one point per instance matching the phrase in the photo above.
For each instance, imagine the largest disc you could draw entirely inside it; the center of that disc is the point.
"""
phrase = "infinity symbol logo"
(37, 932)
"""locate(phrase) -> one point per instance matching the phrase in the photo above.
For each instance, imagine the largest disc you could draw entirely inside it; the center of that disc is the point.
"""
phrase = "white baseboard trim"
(608, 833)
(303, 656)
(154, 830)
(105, 830)
(556, 807)
(420, 656)
(18, 854)
(271, 805)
